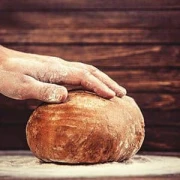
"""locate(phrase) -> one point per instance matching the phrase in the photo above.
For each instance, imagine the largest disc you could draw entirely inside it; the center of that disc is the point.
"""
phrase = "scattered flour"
(26, 165)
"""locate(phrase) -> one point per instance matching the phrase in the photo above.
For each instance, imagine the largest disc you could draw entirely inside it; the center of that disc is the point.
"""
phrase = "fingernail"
(57, 96)
(54, 96)
(111, 93)
(122, 92)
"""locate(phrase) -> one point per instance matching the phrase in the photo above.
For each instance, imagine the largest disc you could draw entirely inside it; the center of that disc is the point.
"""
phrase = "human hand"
(31, 76)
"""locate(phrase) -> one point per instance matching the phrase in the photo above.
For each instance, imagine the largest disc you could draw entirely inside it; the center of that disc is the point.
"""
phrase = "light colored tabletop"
(23, 165)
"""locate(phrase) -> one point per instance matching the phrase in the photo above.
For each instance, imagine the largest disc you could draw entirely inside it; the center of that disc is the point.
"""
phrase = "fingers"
(77, 76)
(119, 90)
(70, 75)
(90, 82)
(46, 92)
(20, 87)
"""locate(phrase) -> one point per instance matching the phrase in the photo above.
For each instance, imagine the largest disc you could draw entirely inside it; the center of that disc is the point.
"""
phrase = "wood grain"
(153, 118)
(13, 137)
(32, 5)
(156, 118)
(151, 86)
(162, 139)
(99, 20)
(111, 56)
(135, 42)
(14, 116)
(157, 101)
(157, 138)
(11, 104)
(159, 74)
(121, 36)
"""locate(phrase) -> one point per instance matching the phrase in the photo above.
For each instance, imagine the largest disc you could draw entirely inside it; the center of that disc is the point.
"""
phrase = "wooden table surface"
(23, 165)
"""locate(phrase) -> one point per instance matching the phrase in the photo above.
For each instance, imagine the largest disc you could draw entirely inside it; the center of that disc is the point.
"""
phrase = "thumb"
(46, 92)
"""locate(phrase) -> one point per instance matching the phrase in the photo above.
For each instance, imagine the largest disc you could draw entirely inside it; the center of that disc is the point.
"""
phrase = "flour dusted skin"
(86, 129)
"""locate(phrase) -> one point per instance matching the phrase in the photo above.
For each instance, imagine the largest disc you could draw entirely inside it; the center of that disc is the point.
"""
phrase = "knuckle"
(92, 68)
(47, 59)
(53, 59)
(46, 94)
(25, 80)
(21, 92)
(48, 72)
(50, 67)
(79, 64)
(45, 91)
(85, 73)
(53, 94)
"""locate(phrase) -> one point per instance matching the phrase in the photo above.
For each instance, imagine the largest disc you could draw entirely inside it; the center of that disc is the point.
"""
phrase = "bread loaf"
(86, 129)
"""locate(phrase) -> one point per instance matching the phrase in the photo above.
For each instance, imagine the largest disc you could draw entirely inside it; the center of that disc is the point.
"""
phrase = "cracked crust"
(86, 129)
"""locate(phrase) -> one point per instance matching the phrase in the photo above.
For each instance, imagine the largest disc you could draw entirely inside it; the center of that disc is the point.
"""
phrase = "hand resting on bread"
(31, 76)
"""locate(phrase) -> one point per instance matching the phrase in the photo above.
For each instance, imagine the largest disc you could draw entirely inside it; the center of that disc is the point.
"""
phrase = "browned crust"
(86, 129)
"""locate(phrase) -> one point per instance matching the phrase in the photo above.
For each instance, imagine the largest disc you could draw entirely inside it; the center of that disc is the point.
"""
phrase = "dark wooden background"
(136, 42)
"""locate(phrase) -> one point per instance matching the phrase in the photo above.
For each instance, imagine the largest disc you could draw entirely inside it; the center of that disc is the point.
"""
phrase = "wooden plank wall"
(136, 42)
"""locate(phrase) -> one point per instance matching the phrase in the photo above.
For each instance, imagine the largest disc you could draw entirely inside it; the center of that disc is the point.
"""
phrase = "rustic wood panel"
(11, 104)
(157, 101)
(151, 101)
(86, 4)
(121, 36)
(13, 137)
(90, 20)
(151, 117)
(155, 118)
(152, 80)
(120, 56)
(159, 74)
(158, 138)
(151, 86)
(162, 138)
(14, 116)
(134, 42)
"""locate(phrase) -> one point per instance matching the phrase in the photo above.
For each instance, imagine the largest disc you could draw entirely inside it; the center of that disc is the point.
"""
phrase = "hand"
(31, 76)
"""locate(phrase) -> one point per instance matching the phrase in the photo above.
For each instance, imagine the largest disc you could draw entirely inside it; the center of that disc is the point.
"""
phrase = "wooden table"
(23, 165)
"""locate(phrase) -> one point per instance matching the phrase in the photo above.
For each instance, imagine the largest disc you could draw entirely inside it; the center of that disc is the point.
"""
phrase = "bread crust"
(86, 129)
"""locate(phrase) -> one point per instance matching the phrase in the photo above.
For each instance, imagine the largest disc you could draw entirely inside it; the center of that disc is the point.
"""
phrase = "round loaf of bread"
(86, 129)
